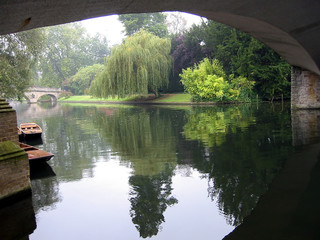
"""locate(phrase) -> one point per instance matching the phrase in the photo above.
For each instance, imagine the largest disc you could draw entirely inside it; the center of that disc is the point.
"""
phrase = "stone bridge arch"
(35, 93)
(291, 28)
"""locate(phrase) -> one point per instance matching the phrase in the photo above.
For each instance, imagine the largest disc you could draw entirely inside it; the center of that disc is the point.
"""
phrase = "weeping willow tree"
(141, 64)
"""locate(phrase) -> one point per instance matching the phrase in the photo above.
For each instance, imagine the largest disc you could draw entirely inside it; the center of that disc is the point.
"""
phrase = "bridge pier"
(305, 89)
(14, 163)
(33, 100)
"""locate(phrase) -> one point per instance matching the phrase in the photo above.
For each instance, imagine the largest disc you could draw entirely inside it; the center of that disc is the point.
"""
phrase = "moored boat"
(20, 134)
(30, 130)
(35, 154)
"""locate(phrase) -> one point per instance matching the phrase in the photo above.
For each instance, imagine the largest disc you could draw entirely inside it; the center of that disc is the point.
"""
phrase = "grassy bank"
(86, 98)
(174, 98)
(165, 98)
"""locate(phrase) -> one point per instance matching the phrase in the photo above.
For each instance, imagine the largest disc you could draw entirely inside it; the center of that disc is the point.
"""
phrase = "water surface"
(130, 172)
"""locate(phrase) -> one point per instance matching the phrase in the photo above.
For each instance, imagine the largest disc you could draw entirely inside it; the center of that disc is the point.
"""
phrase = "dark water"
(129, 172)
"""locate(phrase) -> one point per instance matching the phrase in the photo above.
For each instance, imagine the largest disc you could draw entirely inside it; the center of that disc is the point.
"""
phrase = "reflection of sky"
(34, 112)
(98, 208)
(93, 208)
(195, 216)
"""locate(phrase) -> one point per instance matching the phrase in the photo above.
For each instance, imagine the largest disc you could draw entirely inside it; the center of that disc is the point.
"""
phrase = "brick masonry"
(8, 122)
(14, 163)
(305, 89)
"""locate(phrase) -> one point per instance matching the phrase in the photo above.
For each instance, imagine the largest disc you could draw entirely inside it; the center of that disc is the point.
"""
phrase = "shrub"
(208, 82)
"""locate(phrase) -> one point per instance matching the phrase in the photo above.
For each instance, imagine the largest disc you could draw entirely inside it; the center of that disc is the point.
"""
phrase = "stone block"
(14, 170)
(8, 122)
(305, 89)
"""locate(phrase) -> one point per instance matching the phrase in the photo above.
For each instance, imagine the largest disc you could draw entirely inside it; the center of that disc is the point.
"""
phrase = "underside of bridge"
(291, 28)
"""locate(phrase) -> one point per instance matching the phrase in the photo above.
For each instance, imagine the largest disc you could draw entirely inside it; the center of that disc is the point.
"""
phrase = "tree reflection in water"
(239, 150)
(244, 149)
(149, 197)
(145, 139)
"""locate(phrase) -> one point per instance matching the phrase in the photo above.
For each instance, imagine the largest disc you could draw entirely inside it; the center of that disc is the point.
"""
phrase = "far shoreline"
(164, 99)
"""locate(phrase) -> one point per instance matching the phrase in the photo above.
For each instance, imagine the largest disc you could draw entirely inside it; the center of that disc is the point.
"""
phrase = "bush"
(208, 82)
(65, 94)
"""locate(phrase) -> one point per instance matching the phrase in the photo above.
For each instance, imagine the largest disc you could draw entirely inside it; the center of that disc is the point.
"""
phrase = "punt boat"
(35, 154)
(29, 130)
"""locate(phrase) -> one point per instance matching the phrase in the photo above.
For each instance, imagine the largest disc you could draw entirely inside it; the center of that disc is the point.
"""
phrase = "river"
(155, 172)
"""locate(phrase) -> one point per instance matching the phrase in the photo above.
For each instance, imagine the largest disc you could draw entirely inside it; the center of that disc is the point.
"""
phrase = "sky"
(112, 28)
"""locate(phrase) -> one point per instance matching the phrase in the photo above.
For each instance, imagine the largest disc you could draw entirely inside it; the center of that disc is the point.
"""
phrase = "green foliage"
(65, 95)
(241, 88)
(79, 83)
(68, 49)
(18, 57)
(242, 55)
(174, 98)
(140, 64)
(151, 22)
(187, 50)
(207, 81)
(260, 63)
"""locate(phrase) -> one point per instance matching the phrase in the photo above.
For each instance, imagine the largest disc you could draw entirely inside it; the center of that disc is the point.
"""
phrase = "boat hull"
(29, 131)
(36, 154)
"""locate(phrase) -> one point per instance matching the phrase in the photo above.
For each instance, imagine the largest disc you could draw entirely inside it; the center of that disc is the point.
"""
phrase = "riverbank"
(164, 99)
(182, 97)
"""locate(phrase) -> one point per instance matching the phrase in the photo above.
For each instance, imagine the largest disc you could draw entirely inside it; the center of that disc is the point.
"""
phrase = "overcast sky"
(110, 26)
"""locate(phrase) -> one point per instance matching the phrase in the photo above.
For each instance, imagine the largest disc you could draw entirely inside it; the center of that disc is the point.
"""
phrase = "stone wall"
(8, 122)
(14, 170)
(14, 162)
(305, 89)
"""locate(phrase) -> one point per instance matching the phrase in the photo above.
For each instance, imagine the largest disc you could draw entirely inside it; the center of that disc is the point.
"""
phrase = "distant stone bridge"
(34, 93)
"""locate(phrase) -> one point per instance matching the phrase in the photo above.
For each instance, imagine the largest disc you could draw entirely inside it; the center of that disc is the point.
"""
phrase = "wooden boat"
(35, 154)
(30, 130)
(20, 134)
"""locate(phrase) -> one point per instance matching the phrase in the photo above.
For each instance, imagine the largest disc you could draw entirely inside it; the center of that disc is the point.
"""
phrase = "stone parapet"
(14, 170)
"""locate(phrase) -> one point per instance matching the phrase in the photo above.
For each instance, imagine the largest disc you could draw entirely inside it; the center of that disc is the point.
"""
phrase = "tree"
(18, 56)
(267, 68)
(151, 22)
(208, 81)
(141, 63)
(186, 51)
(242, 55)
(176, 23)
(69, 48)
(79, 84)
(97, 48)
